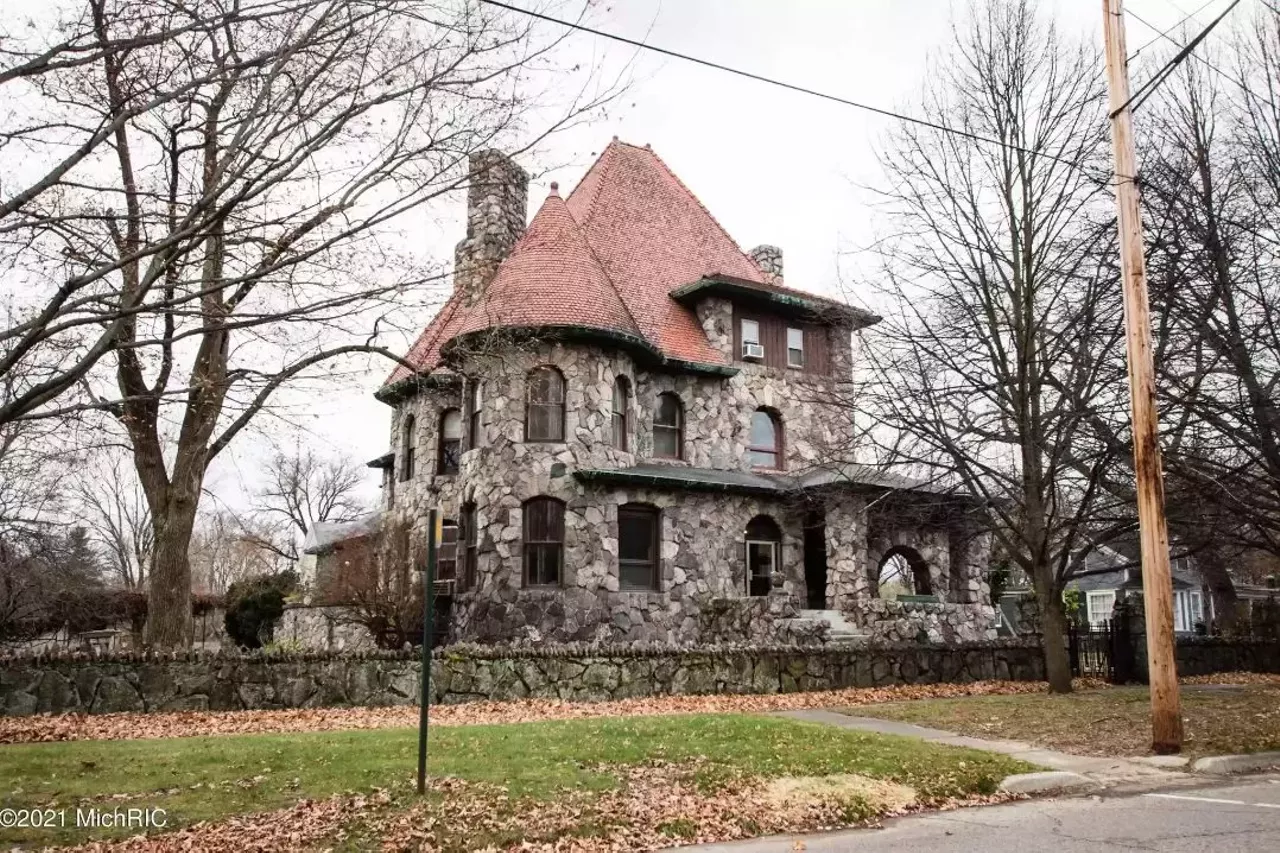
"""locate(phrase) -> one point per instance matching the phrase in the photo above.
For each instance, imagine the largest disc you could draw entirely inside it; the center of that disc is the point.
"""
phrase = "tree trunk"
(1222, 591)
(169, 590)
(1053, 630)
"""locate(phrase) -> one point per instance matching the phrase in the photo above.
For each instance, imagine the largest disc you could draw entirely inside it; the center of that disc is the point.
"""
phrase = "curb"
(1225, 765)
(1047, 782)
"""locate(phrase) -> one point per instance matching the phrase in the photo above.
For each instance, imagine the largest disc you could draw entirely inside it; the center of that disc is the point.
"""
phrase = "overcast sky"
(773, 166)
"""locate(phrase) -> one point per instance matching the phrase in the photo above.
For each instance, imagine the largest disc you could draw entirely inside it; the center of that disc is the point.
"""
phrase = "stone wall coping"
(474, 652)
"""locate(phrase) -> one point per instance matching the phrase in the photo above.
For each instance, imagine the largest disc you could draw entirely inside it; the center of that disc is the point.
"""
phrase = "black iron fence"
(1104, 649)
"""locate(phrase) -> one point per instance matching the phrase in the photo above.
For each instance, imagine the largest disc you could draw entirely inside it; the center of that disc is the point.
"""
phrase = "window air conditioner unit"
(446, 587)
(753, 351)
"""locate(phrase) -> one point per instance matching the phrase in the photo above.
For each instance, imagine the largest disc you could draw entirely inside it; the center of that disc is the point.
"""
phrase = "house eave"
(397, 392)
(810, 308)
(644, 351)
(672, 482)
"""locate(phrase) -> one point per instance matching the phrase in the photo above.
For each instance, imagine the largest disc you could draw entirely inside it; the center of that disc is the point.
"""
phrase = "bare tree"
(115, 511)
(379, 586)
(999, 313)
(302, 489)
(246, 216)
(226, 548)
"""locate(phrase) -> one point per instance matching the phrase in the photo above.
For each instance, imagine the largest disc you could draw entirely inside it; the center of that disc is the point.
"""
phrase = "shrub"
(254, 605)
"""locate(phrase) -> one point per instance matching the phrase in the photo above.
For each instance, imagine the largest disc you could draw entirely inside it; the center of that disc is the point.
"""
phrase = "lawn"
(698, 776)
(1217, 719)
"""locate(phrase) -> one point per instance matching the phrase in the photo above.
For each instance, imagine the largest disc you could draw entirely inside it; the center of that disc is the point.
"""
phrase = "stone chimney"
(769, 259)
(497, 207)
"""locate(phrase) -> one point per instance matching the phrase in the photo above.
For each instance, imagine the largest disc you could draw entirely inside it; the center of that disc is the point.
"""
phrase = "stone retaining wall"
(464, 674)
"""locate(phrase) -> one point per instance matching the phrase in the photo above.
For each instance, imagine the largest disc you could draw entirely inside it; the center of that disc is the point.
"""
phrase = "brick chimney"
(497, 207)
(769, 259)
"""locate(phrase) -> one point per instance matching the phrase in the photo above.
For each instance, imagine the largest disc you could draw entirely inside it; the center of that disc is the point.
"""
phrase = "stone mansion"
(626, 422)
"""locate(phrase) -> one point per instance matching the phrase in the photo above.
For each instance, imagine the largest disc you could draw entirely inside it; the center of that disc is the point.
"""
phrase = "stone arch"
(902, 565)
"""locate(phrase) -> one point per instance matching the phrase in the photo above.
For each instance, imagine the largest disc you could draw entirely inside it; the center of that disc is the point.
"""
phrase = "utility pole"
(1157, 582)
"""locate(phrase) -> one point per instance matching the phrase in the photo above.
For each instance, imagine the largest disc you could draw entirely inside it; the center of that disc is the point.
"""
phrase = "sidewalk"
(1106, 772)
(1234, 817)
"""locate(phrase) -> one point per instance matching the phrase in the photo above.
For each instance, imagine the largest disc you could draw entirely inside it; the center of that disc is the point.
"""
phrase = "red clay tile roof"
(606, 258)
(425, 352)
(551, 278)
(651, 234)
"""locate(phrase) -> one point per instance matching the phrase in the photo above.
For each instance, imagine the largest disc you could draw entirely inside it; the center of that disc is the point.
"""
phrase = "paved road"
(1217, 818)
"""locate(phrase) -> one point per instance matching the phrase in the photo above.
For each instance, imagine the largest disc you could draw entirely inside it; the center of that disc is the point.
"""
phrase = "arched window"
(621, 420)
(764, 447)
(638, 546)
(544, 405)
(668, 427)
(902, 571)
(450, 442)
(764, 544)
(543, 541)
(474, 402)
(408, 446)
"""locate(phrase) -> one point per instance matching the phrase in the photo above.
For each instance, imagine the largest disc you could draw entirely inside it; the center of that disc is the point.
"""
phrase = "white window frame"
(792, 347)
(1108, 595)
(754, 337)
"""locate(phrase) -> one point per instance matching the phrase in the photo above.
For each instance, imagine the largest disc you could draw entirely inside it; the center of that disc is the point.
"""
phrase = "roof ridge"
(683, 186)
(599, 185)
(603, 269)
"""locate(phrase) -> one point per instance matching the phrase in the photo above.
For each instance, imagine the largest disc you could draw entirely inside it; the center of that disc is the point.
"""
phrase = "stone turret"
(497, 209)
(769, 259)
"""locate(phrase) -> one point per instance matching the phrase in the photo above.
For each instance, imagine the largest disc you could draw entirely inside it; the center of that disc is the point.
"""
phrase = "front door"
(815, 561)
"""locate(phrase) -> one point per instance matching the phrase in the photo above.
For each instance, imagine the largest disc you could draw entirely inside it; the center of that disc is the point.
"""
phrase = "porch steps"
(842, 631)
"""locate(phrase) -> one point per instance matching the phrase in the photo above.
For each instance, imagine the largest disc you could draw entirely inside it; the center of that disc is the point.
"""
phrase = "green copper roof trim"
(672, 481)
(814, 307)
(598, 335)
(403, 389)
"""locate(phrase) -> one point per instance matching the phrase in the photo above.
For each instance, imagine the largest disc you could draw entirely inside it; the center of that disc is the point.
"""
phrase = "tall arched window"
(408, 446)
(668, 427)
(764, 447)
(764, 546)
(544, 405)
(450, 442)
(621, 420)
(543, 541)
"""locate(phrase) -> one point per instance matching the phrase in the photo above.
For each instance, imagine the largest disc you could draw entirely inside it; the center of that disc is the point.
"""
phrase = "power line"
(1159, 35)
(1146, 89)
(791, 86)
(1165, 35)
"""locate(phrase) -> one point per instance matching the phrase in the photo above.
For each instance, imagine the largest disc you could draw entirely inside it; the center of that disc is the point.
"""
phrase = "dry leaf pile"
(658, 805)
(307, 824)
(64, 727)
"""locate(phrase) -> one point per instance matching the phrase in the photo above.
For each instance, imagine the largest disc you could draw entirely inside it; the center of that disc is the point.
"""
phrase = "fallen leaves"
(66, 727)
(302, 825)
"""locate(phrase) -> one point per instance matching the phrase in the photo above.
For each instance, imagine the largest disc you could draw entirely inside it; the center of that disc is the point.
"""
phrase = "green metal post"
(424, 701)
